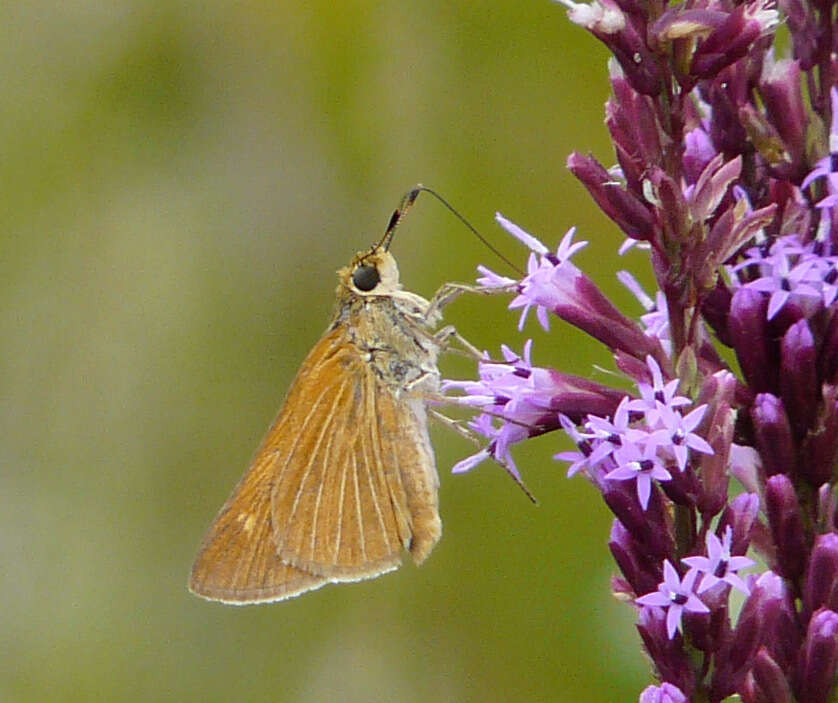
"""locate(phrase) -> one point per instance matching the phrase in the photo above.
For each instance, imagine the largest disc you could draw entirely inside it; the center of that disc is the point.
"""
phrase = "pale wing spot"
(247, 566)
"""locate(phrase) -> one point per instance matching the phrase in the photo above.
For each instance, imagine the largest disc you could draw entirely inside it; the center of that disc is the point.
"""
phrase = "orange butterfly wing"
(360, 485)
(343, 480)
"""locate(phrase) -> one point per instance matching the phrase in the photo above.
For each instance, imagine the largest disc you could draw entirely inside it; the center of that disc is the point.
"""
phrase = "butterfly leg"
(449, 292)
(455, 425)
(443, 336)
(466, 432)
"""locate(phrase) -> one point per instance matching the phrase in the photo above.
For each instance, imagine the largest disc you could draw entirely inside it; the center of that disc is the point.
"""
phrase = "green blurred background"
(180, 181)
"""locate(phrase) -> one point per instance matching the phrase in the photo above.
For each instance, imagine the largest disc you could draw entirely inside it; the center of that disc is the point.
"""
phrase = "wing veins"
(327, 450)
(339, 536)
(246, 567)
(313, 455)
(376, 466)
(358, 510)
(397, 474)
(296, 443)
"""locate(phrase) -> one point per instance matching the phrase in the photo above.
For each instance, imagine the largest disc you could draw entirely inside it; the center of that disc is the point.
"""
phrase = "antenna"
(405, 205)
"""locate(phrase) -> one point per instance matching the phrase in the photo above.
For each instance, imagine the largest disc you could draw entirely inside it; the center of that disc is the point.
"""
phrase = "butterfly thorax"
(390, 327)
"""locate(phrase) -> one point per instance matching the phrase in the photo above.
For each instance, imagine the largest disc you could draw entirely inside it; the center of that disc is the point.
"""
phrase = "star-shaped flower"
(719, 565)
(676, 596)
(639, 462)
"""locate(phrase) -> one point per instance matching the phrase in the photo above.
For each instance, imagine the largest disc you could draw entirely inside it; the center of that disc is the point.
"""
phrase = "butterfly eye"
(366, 278)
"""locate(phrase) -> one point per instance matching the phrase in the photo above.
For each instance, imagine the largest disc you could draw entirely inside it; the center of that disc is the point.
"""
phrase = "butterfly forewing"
(238, 562)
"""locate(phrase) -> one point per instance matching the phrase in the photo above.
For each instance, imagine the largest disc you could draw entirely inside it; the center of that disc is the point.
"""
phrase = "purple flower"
(579, 460)
(519, 400)
(608, 435)
(656, 319)
(553, 284)
(665, 693)
(483, 425)
(786, 272)
(676, 596)
(719, 565)
(827, 167)
(657, 395)
(641, 464)
(623, 449)
(675, 434)
(549, 276)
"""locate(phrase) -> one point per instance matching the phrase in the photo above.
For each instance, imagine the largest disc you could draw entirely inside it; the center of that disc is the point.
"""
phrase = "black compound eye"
(366, 278)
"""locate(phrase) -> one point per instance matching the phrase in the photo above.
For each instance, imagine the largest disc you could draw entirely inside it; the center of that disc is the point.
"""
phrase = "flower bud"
(816, 675)
(773, 435)
(750, 340)
(786, 523)
(820, 588)
(798, 377)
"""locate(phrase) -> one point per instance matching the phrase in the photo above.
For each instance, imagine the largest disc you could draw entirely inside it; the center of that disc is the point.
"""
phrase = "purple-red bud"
(751, 342)
(768, 619)
(820, 587)
(628, 211)
(816, 674)
(786, 523)
(640, 571)
(820, 448)
(770, 679)
(649, 528)
(741, 515)
(773, 435)
(670, 659)
(798, 375)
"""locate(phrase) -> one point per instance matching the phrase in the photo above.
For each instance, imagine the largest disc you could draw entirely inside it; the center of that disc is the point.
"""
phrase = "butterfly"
(345, 479)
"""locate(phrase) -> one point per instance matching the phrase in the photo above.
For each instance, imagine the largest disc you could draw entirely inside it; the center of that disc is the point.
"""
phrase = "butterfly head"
(373, 272)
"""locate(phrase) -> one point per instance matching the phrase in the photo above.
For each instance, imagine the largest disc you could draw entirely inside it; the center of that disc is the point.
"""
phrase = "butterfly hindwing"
(357, 485)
